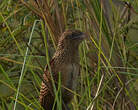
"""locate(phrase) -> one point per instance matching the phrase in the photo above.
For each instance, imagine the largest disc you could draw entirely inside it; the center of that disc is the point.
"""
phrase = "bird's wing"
(46, 83)
(53, 72)
(46, 94)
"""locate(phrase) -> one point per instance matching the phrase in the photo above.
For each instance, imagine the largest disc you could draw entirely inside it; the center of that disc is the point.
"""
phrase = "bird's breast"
(69, 76)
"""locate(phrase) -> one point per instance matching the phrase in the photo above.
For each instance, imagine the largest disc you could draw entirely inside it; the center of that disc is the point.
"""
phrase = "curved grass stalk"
(22, 70)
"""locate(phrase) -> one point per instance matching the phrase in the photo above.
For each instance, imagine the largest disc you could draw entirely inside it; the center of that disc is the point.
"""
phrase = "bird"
(65, 62)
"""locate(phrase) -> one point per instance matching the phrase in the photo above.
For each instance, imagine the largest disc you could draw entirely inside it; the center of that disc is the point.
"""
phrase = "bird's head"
(71, 39)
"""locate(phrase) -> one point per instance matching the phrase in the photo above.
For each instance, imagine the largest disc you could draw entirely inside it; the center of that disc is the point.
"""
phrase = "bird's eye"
(76, 35)
(73, 34)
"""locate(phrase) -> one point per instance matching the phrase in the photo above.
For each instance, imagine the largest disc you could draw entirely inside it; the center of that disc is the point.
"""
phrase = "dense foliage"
(29, 31)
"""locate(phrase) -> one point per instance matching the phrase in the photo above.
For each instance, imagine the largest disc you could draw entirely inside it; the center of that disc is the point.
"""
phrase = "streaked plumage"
(66, 62)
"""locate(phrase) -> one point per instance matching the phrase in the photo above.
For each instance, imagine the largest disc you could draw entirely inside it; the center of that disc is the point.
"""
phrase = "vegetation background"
(29, 31)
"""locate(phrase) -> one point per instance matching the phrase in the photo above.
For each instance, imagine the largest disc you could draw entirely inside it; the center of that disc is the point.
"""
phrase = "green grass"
(108, 59)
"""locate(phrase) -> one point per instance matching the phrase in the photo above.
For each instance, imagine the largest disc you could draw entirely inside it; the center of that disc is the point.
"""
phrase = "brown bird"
(65, 62)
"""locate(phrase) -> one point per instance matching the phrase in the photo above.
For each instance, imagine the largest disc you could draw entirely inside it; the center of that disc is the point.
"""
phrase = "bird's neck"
(69, 55)
(73, 54)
